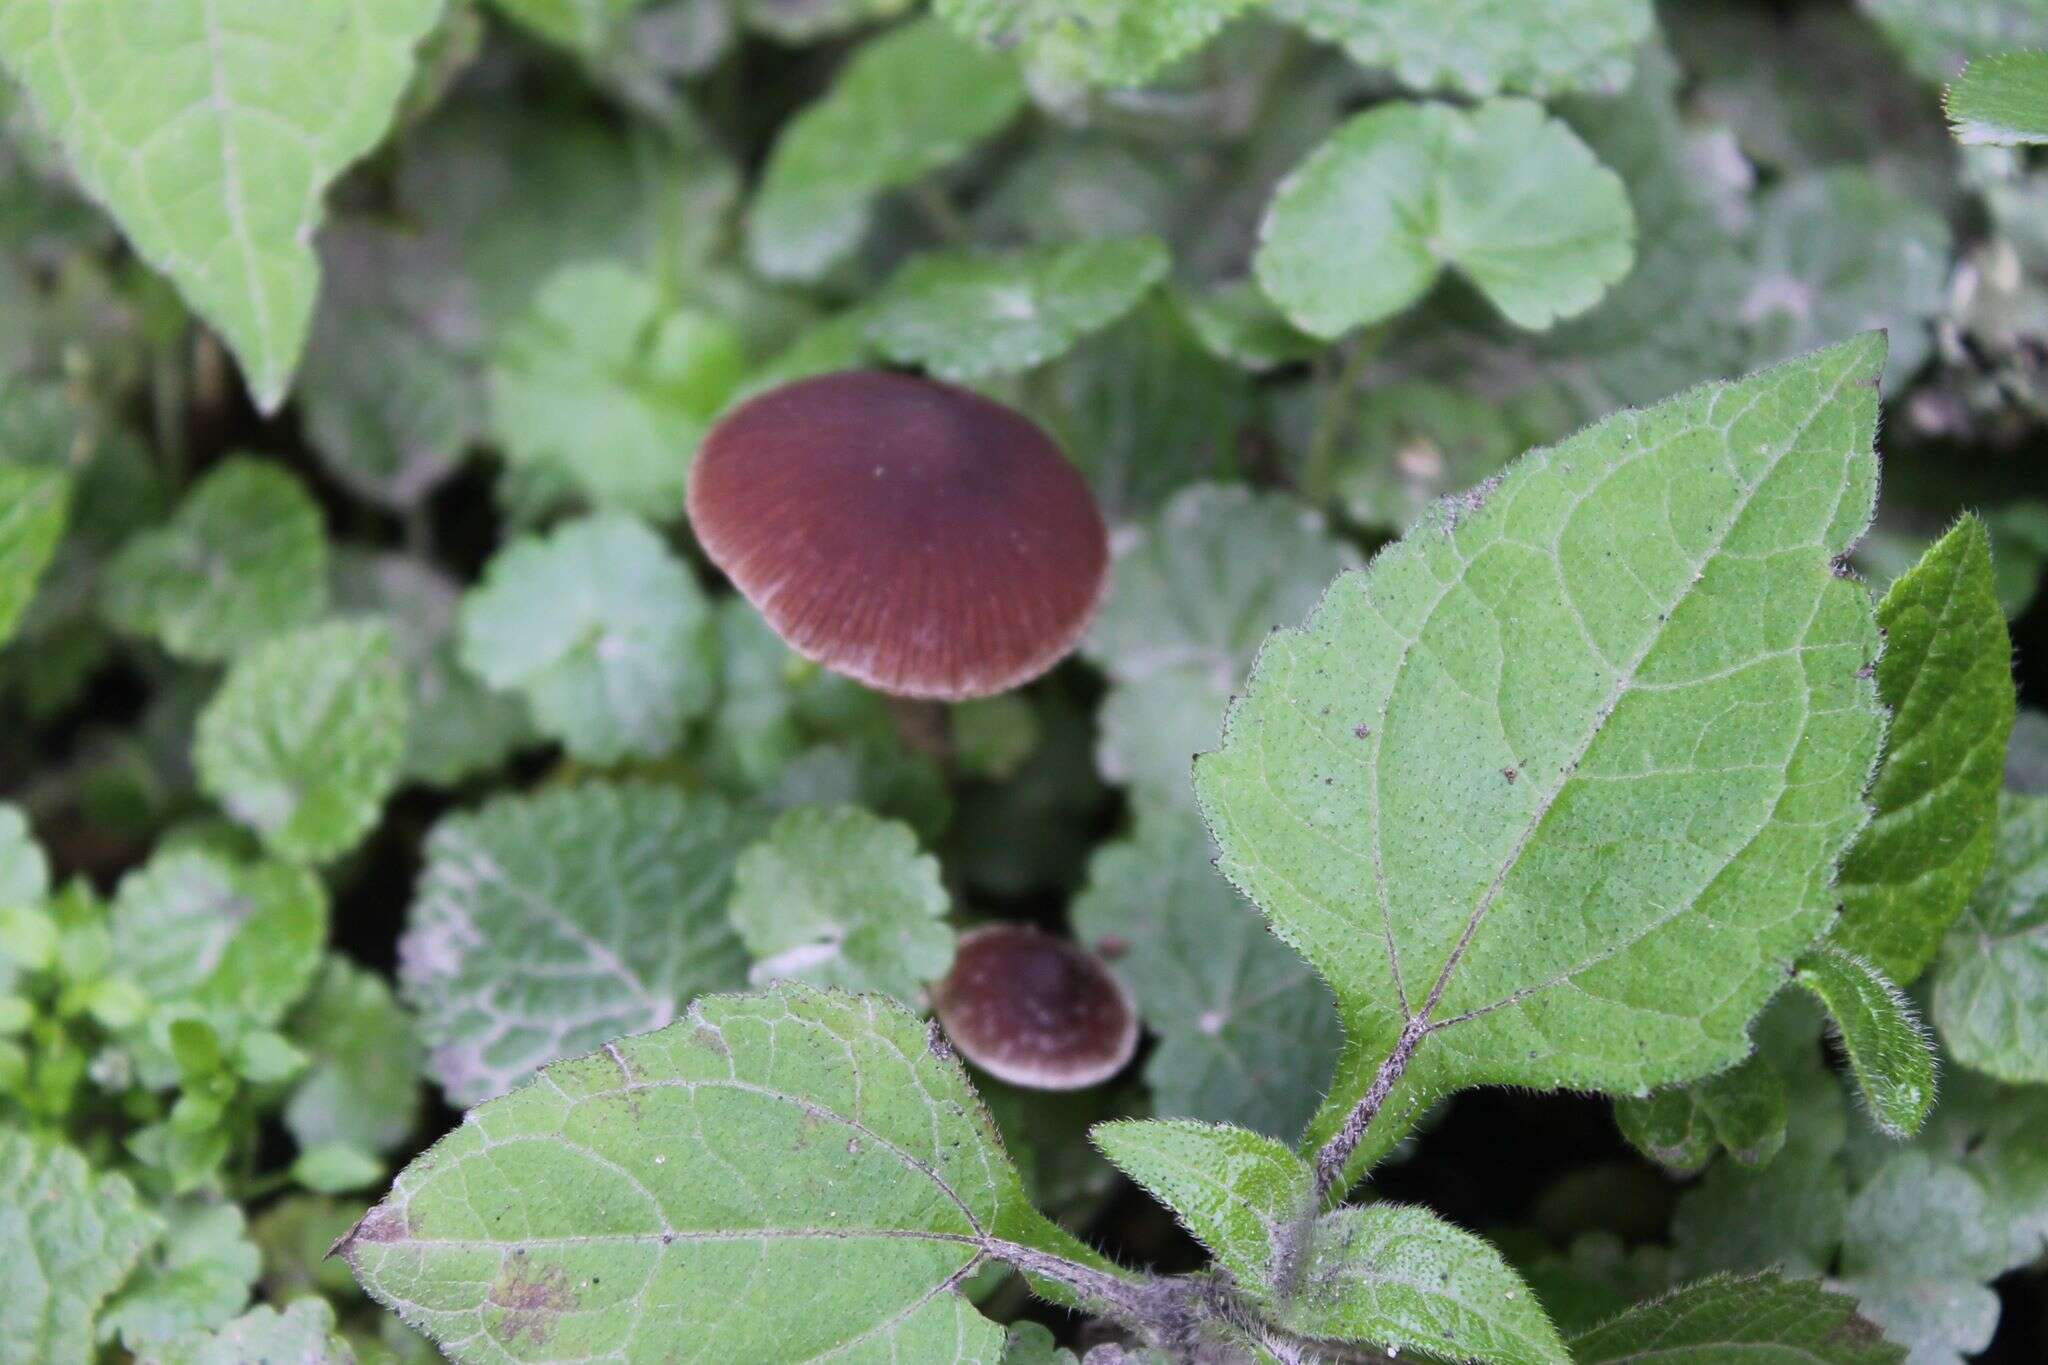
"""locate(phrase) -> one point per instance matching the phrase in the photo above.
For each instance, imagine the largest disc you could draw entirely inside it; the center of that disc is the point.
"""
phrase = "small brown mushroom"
(1035, 1010)
(918, 538)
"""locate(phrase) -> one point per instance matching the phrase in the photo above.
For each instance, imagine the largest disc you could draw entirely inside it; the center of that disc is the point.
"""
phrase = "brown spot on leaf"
(385, 1223)
(1510, 774)
(533, 1298)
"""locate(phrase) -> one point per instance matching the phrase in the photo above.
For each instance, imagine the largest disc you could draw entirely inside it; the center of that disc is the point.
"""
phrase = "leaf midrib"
(1625, 679)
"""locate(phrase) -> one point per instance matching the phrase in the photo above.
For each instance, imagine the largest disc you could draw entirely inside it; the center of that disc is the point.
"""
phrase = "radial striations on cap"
(1035, 1010)
(914, 536)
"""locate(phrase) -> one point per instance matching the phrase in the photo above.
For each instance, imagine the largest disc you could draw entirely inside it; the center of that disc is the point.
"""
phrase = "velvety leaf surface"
(907, 103)
(673, 1192)
(1765, 1319)
(601, 629)
(1401, 1277)
(302, 743)
(580, 25)
(1193, 592)
(243, 558)
(1246, 1033)
(1938, 36)
(2001, 100)
(1504, 193)
(197, 1277)
(68, 1238)
(966, 317)
(836, 897)
(1628, 751)
(362, 1082)
(229, 944)
(32, 506)
(1889, 1052)
(1946, 675)
(211, 129)
(302, 1334)
(1481, 48)
(1242, 1195)
(1991, 987)
(545, 925)
(1096, 42)
(1840, 251)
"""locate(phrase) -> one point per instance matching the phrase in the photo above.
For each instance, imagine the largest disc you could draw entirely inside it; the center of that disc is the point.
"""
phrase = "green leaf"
(24, 871)
(2001, 100)
(906, 104)
(336, 1168)
(1094, 42)
(837, 897)
(1032, 1343)
(1192, 595)
(1920, 1241)
(804, 21)
(1938, 36)
(210, 130)
(1504, 193)
(1991, 987)
(1889, 1052)
(992, 737)
(1402, 1278)
(1946, 675)
(583, 26)
(33, 502)
(1246, 1034)
(604, 381)
(458, 726)
(227, 944)
(1674, 319)
(198, 1277)
(545, 925)
(1480, 48)
(1238, 323)
(68, 1238)
(1726, 1319)
(1143, 410)
(242, 559)
(303, 1334)
(601, 629)
(391, 402)
(363, 1084)
(1410, 444)
(303, 741)
(680, 1190)
(1628, 750)
(965, 316)
(1839, 251)
(1243, 1196)
(1743, 1110)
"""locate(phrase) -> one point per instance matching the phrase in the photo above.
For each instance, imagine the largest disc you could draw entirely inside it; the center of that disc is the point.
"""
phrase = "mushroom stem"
(925, 727)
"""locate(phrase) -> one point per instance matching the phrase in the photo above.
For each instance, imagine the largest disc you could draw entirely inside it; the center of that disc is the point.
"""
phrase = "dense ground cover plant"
(1603, 919)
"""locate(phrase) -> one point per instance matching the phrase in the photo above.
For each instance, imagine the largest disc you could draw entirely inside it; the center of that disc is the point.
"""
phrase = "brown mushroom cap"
(1035, 1010)
(914, 536)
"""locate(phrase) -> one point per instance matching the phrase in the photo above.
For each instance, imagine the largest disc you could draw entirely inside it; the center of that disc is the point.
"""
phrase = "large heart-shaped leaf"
(1552, 793)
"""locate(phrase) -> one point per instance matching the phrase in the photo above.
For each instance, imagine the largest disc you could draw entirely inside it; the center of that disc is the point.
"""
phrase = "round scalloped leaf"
(966, 316)
(1503, 193)
(1480, 47)
(601, 629)
(243, 558)
(544, 925)
(303, 741)
(68, 1238)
